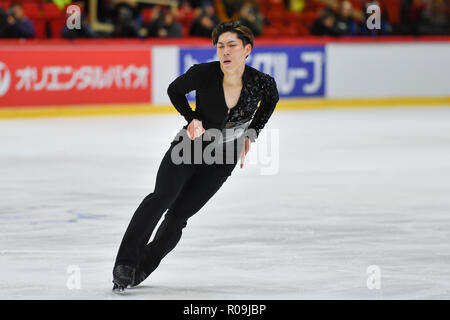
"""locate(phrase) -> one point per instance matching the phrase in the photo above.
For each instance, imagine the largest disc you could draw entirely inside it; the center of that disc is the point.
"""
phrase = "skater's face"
(231, 50)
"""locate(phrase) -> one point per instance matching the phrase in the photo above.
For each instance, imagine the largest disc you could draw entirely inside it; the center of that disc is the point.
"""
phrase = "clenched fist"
(195, 129)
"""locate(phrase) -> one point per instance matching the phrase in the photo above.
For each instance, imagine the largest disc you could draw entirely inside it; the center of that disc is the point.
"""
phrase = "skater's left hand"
(245, 150)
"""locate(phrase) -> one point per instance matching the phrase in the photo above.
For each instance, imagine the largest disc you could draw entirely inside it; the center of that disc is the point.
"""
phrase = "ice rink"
(356, 198)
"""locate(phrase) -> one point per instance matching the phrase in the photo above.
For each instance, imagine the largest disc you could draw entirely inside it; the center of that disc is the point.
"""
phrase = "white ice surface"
(354, 188)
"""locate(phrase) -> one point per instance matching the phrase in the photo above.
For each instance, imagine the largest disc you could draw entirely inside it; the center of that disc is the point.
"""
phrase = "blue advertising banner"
(299, 71)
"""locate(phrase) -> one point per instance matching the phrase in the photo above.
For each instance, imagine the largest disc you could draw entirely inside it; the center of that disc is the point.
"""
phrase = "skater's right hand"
(195, 129)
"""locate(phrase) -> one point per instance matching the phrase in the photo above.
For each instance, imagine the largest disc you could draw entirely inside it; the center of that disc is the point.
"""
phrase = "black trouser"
(183, 189)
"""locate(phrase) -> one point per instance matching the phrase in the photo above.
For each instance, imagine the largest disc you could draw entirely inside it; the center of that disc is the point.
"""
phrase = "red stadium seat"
(56, 27)
(275, 2)
(275, 17)
(308, 18)
(263, 6)
(51, 11)
(186, 17)
(292, 16)
(5, 5)
(275, 5)
(313, 5)
(280, 30)
(393, 8)
(147, 15)
(185, 31)
(356, 4)
(270, 31)
(55, 18)
(31, 10)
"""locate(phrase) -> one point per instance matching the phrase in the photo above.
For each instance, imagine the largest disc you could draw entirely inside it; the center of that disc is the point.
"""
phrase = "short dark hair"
(242, 32)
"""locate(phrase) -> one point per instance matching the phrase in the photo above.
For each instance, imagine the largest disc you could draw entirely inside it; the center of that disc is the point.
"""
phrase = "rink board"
(133, 78)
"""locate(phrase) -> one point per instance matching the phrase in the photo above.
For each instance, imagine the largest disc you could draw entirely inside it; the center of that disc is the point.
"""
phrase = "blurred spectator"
(339, 18)
(184, 6)
(104, 11)
(433, 18)
(385, 27)
(19, 26)
(345, 23)
(200, 3)
(3, 23)
(325, 24)
(163, 25)
(408, 20)
(250, 17)
(84, 32)
(205, 22)
(126, 19)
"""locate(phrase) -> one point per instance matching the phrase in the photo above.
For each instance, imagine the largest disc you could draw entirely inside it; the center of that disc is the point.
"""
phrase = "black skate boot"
(123, 277)
(139, 276)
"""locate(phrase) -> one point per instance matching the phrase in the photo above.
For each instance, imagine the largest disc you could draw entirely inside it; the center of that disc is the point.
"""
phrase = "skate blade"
(118, 289)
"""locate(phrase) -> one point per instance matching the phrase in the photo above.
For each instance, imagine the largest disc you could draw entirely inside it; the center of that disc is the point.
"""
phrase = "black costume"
(185, 188)
(211, 108)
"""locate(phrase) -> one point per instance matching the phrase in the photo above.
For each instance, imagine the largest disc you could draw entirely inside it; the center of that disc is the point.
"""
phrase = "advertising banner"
(299, 71)
(74, 75)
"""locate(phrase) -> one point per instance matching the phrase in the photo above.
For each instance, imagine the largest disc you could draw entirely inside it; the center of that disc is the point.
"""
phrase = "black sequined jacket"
(211, 108)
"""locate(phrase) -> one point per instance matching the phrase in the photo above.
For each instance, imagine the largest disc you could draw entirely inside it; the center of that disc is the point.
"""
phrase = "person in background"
(345, 23)
(3, 23)
(325, 24)
(163, 25)
(200, 3)
(19, 26)
(184, 6)
(84, 32)
(385, 27)
(125, 17)
(205, 22)
(433, 19)
(251, 17)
